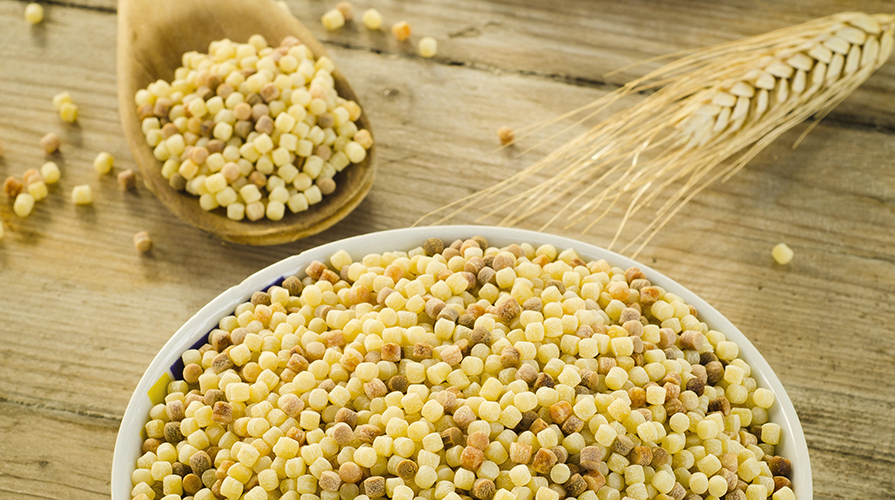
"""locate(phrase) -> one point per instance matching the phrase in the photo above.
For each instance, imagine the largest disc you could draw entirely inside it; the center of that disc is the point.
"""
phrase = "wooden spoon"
(152, 37)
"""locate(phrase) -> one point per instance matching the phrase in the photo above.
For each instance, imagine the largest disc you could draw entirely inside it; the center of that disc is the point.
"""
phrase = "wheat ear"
(714, 111)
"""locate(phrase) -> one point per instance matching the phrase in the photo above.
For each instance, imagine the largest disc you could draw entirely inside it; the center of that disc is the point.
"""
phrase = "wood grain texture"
(58, 454)
(83, 314)
(580, 41)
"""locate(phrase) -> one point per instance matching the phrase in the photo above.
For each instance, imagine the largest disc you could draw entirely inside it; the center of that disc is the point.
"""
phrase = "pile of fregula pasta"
(252, 128)
(464, 371)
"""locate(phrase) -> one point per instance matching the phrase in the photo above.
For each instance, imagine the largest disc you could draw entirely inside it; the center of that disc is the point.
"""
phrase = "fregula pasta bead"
(23, 205)
(103, 163)
(401, 31)
(34, 13)
(50, 143)
(372, 19)
(428, 47)
(333, 19)
(782, 253)
(50, 173)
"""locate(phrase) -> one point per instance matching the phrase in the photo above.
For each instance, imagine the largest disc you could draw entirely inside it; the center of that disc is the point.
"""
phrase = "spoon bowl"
(152, 37)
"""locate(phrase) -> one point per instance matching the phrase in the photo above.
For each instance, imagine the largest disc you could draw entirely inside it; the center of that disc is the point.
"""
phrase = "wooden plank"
(580, 41)
(52, 454)
(844, 450)
(83, 314)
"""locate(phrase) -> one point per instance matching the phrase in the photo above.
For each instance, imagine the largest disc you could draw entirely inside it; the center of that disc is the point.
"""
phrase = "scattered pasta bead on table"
(34, 13)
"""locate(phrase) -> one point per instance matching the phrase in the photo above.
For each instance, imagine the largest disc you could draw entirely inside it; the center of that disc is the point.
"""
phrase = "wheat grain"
(714, 111)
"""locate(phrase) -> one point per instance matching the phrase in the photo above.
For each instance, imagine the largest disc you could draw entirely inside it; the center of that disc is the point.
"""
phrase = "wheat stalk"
(714, 111)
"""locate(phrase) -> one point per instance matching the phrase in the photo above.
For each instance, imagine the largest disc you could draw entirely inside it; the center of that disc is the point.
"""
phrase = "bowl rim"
(196, 328)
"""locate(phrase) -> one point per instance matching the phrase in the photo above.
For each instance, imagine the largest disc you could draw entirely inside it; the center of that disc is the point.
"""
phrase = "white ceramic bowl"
(195, 331)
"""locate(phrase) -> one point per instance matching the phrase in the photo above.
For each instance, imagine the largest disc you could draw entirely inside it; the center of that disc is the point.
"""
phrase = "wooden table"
(82, 313)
